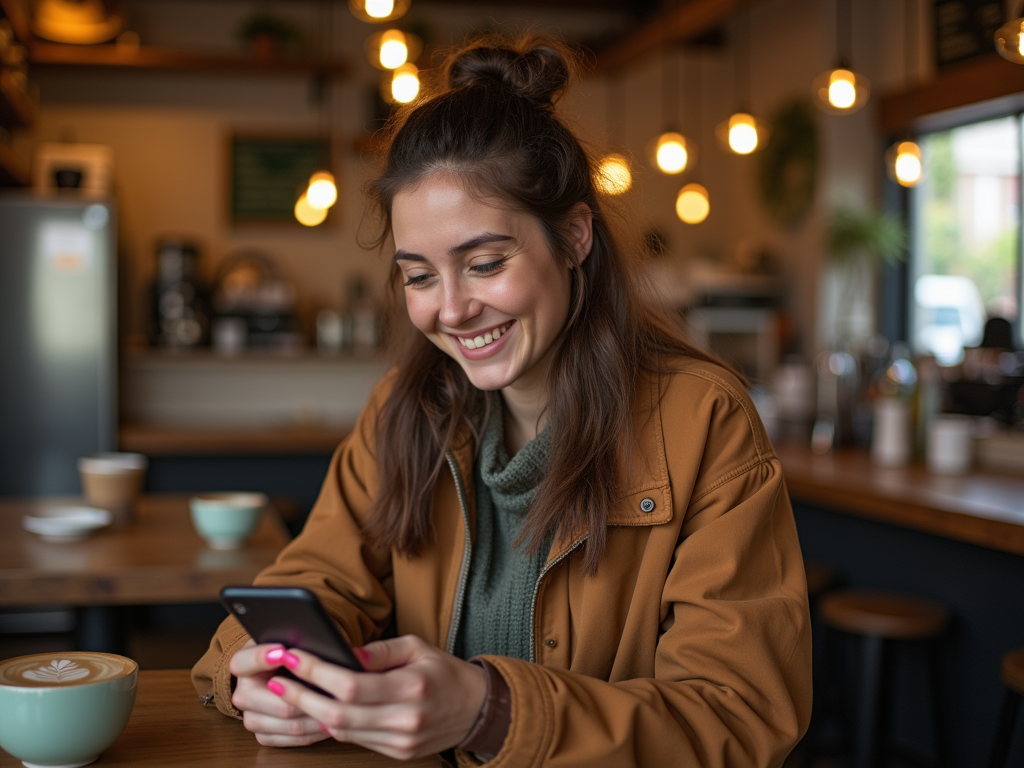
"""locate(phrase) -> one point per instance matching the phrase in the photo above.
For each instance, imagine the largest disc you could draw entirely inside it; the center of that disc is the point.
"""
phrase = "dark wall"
(982, 587)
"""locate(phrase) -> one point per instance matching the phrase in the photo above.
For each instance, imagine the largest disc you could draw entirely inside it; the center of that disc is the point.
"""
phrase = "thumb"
(383, 655)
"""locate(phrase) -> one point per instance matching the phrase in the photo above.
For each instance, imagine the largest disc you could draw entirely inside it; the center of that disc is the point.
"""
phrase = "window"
(966, 253)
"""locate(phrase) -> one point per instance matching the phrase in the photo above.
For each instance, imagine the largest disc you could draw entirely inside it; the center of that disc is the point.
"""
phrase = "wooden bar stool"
(1012, 672)
(877, 618)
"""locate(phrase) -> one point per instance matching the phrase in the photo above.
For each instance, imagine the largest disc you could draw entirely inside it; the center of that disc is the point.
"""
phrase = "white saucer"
(67, 523)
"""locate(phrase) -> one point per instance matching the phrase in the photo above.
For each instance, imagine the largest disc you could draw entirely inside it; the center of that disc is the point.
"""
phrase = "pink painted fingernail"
(290, 660)
(362, 655)
(275, 687)
(324, 728)
(274, 655)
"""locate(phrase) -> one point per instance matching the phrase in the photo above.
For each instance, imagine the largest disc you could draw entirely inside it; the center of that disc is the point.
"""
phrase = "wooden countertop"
(982, 508)
(156, 440)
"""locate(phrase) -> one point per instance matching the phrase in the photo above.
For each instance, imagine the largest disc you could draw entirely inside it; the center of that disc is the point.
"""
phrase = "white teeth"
(482, 341)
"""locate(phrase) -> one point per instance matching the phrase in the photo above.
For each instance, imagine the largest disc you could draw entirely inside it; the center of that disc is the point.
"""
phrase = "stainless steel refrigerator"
(58, 340)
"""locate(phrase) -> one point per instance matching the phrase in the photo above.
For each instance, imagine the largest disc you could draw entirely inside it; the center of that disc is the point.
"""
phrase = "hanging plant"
(788, 168)
(851, 234)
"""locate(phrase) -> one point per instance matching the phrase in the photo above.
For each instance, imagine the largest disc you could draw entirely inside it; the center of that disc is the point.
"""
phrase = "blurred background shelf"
(159, 58)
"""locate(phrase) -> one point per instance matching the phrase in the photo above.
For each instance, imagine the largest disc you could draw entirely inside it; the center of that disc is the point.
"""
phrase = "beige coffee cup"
(113, 481)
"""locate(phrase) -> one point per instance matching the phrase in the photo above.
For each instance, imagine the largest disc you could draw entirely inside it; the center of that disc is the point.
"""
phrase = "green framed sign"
(266, 175)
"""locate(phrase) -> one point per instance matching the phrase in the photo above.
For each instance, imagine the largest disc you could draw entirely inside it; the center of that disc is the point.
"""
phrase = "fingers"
(352, 687)
(273, 731)
(254, 659)
(252, 695)
(389, 654)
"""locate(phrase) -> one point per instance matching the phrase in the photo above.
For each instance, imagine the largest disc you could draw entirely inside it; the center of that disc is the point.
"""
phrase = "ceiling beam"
(687, 21)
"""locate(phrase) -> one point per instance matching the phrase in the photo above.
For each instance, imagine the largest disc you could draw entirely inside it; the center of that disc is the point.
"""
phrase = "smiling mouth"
(484, 339)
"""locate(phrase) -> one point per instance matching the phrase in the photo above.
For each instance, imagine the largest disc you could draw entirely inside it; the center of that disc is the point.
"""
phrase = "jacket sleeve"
(329, 557)
(731, 667)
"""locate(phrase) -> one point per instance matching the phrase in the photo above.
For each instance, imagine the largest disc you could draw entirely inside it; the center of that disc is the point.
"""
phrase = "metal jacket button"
(647, 505)
(551, 642)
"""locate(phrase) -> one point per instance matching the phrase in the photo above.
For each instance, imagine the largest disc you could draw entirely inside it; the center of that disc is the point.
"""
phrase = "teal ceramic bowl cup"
(62, 709)
(226, 520)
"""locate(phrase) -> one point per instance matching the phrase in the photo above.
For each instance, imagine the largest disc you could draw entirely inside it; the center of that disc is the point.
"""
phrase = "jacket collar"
(644, 467)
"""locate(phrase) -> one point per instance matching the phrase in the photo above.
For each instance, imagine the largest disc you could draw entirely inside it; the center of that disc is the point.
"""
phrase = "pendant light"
(1009, 40)
(321, 191)
(390, 49)
(693, 204)
(377, 11)
(742, 133)
(903, 159)
(840, 90)
(671, 152)
(613, 175)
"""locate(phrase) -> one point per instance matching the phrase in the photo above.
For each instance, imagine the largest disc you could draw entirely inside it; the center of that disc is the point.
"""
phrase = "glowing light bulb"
(307, 215)
(842, 91)
(1020, 39)
(393, 50)
(693, 204)
(907, 165)
(405, 85)
(671, 155)
(379, 9)
(613, 175)
(322, 192)
(742, 133)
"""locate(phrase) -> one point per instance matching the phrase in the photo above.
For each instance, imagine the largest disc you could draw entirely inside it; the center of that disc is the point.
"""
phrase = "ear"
(581, 230)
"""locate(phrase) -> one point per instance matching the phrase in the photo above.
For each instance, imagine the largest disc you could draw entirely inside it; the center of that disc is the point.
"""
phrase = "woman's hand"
(275, 722)
(413, 700)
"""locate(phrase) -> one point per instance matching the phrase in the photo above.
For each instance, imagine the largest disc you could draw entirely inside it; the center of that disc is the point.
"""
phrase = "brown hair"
(492, 123)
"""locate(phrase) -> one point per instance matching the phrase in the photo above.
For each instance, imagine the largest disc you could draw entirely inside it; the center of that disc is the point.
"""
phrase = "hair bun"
(539, 72)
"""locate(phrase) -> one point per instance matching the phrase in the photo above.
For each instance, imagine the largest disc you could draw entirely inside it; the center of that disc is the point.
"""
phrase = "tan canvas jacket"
(691, 645)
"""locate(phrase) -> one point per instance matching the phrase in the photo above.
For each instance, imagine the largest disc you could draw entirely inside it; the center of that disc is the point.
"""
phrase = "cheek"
(420, 311)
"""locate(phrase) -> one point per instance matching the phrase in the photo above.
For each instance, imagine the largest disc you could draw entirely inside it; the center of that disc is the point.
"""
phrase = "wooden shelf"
(154, 440)
(13, 172)
(15, 13)
(16, 111)
(42, 54)
(976, 80)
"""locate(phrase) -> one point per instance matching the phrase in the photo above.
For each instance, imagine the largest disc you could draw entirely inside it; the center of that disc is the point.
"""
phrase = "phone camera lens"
(239, 608)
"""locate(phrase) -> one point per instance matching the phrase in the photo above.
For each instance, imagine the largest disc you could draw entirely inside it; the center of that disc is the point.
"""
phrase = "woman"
(558, 532)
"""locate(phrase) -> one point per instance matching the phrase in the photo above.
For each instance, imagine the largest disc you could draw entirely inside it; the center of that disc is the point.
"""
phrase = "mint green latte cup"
(62, 709)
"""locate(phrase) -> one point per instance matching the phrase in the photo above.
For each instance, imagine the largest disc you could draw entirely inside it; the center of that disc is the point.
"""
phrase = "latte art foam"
(49, 670)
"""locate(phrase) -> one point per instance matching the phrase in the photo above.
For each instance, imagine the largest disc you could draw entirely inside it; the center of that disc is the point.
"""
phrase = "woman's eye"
(416, 280)
(488, 268)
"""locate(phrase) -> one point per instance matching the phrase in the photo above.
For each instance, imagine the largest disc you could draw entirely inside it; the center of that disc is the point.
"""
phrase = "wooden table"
(169, 727)
(158, 558)
(983, 508)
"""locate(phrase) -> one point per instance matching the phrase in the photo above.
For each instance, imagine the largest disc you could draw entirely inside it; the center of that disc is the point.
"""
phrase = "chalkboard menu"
(267, 175)
(965, 28)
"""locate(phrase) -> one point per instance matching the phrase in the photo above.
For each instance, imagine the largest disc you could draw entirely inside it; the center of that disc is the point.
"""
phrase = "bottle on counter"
(892, 439)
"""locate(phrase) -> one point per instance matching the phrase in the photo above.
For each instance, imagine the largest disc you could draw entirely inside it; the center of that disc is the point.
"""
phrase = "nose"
(458, 305)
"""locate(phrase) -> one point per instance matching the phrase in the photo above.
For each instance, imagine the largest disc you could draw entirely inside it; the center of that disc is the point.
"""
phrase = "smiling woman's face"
(481, 282)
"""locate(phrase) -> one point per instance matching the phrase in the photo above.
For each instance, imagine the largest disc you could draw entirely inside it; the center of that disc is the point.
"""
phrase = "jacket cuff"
(223, 681)
(491, 727)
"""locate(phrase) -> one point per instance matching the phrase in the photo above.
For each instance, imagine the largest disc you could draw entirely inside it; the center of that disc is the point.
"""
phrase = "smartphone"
(291, 616)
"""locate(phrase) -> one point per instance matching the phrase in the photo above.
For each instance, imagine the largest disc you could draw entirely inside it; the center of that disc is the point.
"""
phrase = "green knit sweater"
(499, 594)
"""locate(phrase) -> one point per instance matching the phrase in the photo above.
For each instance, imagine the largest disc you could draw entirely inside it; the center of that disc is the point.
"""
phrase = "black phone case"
(291, 616)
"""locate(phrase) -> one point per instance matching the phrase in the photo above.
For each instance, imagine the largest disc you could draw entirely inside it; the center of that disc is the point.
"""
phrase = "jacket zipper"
(536, 592)
(460, 592)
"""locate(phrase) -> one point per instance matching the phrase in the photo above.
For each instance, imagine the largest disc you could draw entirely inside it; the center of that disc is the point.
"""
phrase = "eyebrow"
(476, 242)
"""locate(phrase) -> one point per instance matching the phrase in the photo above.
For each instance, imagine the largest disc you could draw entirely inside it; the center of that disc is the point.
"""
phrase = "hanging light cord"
(697, 114)
(910, 58)
(844, 33)
(743, 45)
(615, 99)
(670, 89)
